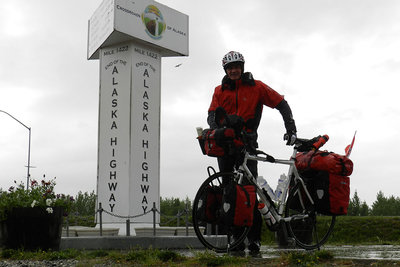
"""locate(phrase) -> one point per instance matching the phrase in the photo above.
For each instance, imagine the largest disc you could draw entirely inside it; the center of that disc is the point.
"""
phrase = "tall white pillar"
(129, 38)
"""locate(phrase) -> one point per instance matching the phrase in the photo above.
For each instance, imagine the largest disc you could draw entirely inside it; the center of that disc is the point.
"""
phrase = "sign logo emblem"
(153, 21)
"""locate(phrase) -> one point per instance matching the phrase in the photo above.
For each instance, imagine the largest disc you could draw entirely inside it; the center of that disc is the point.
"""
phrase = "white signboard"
(148, 22)
(101, 26)
(114, 131)
(145, 134)
(130, 37)
(129, 133)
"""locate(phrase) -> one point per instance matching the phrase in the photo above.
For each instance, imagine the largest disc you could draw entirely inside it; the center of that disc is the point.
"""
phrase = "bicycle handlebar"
(308, 144)
(301, 145)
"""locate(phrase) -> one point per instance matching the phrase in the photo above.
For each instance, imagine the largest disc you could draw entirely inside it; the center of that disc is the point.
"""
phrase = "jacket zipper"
(237, 97)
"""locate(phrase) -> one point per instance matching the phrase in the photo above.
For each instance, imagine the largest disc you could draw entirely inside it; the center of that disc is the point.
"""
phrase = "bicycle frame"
(294, 215)
(277, 213)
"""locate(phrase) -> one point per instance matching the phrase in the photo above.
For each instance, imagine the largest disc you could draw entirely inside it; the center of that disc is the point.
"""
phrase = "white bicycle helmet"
(231, 57)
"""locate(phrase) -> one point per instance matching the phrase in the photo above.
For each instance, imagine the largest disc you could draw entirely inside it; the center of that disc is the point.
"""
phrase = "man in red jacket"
(239, 94)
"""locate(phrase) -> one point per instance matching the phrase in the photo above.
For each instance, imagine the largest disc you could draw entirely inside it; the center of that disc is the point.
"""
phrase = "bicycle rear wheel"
(309, 228)
(207, 223)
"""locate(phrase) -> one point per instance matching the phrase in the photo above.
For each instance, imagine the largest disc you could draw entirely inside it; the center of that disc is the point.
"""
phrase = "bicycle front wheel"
(207, 222)
(309, 228)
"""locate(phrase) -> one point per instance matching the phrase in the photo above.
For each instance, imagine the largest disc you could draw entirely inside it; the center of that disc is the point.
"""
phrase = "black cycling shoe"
(240, 247)
(254, 247)
(239, 250)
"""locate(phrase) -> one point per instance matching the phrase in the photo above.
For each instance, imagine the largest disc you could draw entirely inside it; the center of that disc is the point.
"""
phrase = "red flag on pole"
(349, 148)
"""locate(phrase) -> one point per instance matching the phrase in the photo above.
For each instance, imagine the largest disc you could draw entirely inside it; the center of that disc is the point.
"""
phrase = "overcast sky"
(337, 63)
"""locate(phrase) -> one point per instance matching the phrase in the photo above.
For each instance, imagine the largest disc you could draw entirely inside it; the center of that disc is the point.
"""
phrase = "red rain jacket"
(245, 100)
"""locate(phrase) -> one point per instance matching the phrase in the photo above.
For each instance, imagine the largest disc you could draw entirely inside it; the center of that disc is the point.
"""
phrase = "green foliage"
(306, 258)
(83, 210)
(98, 253)
(208, 258)
(38, 195)
(384, 206)
(153, 256)
(366, 230)
(7, 253)
(172, 207)
(133, 257)
(40, 255)
(85, 204)
(356, 207)
(267, 236)
(61, 255)
(138, 256)
(355, 230)
(74, 219)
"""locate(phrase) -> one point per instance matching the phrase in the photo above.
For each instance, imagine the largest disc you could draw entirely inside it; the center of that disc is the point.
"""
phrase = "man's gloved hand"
(290, 137)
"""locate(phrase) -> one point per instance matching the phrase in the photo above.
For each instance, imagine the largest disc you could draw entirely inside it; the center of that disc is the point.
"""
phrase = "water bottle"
(264, 185)
(281, 188)
(268, 217)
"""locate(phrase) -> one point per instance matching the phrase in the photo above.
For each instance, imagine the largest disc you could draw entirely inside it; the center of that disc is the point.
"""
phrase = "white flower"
(48, 202)
(49, 210)
(33, 203)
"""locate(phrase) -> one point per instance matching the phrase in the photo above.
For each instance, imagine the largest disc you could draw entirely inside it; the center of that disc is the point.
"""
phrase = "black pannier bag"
(326, 175)
(209, 204)
(238, 203)
(330, 192)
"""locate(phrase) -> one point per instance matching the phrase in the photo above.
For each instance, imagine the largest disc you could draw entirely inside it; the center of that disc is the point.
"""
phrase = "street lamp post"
(29, 147)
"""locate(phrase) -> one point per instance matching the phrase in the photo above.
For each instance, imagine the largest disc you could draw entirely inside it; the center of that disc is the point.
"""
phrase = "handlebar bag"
(324, 161)
(238, 203)
(219, 142)
(209, 204)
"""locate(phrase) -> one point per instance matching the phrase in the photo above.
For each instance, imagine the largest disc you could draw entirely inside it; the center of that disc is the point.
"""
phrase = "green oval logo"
(153, 21)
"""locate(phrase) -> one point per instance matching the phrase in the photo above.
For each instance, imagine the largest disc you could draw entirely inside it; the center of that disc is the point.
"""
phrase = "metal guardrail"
(128, 218)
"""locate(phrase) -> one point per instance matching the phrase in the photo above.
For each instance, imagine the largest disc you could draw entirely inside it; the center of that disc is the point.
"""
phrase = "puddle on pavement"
(385, 252)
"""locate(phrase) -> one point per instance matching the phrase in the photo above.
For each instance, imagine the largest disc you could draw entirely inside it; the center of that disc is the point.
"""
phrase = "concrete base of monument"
(165, 231)
(142, 231)
(74, 231)
(80, 237)
(122, 228)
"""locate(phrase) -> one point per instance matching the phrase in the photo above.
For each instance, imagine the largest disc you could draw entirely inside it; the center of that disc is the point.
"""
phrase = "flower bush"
(40, 194)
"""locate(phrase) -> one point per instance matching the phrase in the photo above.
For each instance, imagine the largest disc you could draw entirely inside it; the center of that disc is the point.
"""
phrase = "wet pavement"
(182, 243)
(383, 252)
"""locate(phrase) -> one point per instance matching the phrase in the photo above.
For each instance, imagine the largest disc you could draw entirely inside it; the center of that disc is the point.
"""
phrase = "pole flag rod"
(349, 148)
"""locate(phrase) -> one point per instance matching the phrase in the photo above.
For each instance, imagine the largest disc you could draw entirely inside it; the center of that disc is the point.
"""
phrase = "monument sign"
(130, 38)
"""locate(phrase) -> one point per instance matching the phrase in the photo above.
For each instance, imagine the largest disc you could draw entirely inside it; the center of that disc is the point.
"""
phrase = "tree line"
(84, 204)
(382, 206)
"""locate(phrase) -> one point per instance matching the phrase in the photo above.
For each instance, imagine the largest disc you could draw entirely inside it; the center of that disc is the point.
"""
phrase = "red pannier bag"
(331, 193)
(209, 204)
(324, 161)
(238, 203)
(219, 142)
